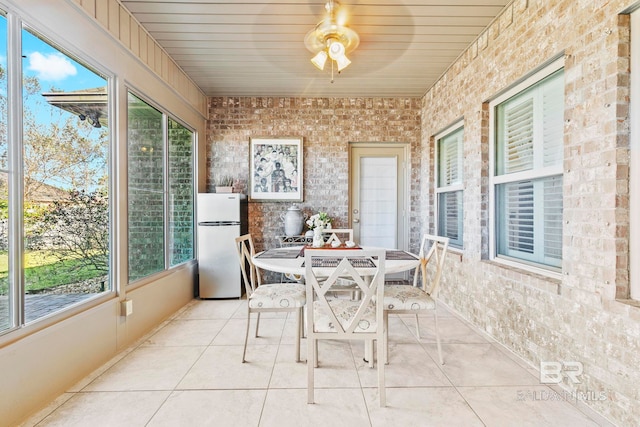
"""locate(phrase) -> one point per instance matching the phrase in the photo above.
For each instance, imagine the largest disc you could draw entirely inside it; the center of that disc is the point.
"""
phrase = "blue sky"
(52, 68)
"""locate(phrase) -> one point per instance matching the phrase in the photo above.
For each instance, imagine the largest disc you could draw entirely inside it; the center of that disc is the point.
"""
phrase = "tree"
(78, 228)
(58, 148)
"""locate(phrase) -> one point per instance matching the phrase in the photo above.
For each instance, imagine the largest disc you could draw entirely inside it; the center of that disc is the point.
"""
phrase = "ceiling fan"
(332, 39)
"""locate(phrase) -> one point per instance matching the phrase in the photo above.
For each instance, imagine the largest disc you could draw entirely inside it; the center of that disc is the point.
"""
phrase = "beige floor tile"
(452, 330)
(148, 368)
(187, 332)
(107, 409)
(233, 332)
(210, 408)
(287, 373)
(522, 406)
(188, 371)
(336, 365)
(420, 406)
(332, 407)
(409, 366)
(221, 367)
(398, 331)
(480, 364)
(289, 334)
(47, 410)
(212, 309)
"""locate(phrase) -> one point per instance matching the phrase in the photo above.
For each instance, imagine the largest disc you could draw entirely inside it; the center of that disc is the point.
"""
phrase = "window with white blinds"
(527, 179)
(449, 184)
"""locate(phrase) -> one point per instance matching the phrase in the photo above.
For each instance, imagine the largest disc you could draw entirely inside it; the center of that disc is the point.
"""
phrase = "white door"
(378, 185)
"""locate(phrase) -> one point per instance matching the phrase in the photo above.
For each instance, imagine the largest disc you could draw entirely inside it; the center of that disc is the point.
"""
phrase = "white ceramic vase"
(318, 239)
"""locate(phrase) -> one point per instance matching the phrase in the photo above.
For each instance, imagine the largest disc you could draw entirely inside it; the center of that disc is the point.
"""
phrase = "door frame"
(403, 186)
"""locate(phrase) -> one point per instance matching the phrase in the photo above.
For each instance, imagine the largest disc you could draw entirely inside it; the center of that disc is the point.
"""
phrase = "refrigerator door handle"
(217, 223)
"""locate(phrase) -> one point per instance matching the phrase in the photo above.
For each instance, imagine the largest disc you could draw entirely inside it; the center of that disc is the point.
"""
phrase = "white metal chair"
(337, 318)
(404, 299)
(279, 297)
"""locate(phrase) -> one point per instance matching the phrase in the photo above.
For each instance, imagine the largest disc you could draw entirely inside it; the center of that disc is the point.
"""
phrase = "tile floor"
(188, 372)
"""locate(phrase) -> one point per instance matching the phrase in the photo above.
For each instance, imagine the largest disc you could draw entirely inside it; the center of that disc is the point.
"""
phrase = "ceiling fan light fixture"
(336, 49)
(331, 39)
(320, 59)
(343, 62)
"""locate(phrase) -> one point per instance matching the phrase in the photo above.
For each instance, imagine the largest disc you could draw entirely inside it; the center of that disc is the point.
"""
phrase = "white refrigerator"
(221, 217)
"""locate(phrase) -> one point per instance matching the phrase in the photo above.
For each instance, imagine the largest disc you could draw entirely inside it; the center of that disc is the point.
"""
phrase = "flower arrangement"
(320, 220)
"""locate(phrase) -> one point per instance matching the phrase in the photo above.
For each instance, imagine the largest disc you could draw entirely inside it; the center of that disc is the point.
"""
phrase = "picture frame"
(276, 170)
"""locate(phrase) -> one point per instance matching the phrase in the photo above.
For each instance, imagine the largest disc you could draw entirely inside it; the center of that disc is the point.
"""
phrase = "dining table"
(290, 261)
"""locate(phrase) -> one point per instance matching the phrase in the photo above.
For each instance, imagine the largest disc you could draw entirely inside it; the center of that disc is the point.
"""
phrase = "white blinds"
(450, 159)
(449, 187)
(450, 217)
(529, 205)
(518, 136)
(531, 127)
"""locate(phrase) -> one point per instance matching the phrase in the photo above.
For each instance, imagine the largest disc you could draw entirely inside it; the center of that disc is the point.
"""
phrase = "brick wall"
(327, 125)
(576, 317)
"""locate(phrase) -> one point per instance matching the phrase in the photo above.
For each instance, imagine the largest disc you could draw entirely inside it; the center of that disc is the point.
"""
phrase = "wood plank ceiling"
(256, 47)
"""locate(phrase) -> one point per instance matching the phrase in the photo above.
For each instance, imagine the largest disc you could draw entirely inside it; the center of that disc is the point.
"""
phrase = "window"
(526, 178)
(181, 185)
(449, 184)
(54, 179)
(160, 190)
(7, 292)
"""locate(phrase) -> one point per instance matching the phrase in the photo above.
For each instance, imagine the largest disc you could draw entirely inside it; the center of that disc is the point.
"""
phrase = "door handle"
(356, 220)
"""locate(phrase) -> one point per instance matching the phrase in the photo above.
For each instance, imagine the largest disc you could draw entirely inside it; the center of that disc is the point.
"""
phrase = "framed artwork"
(276, 172)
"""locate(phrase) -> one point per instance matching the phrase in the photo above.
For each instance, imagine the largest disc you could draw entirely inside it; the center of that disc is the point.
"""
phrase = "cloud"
(53, 66)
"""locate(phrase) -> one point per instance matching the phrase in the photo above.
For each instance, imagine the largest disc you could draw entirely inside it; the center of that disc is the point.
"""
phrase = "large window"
(160, 194)
(54, 175)
(7, 290)
(449, 184)
(527, 155)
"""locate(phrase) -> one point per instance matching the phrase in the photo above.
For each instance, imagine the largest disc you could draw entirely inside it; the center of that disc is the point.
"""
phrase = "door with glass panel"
(378, 211)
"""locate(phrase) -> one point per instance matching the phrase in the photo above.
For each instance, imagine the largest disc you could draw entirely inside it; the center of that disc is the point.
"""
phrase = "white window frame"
(459, 186)
(634, 162)
(494, 180)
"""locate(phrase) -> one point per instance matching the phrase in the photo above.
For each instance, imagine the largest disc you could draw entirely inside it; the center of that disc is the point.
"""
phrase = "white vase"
(293, 221)
(318, 239)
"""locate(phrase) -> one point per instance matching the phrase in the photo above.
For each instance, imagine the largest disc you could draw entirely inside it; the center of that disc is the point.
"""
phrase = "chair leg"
(257, 324)
(311, 363)
(386, 336)
(303, 329)
(417, 326)
(435, 316)
(315, 354)
(298, 332)
(246, 338)
(369, 348)
(381, 365)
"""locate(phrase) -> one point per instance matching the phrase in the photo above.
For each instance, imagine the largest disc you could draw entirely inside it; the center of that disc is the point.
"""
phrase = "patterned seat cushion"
(344, 310)
(403, 297)
(278, 295)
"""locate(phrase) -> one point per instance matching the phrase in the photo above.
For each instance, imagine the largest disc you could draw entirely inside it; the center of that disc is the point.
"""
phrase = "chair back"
(432, 253)
(324, 270)
(336, 233)
(250, 276)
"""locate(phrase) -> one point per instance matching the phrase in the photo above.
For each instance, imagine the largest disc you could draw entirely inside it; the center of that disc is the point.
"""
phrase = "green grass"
(45, 271)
